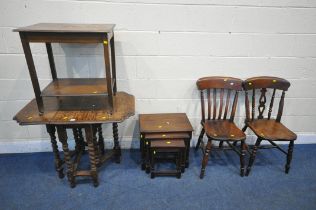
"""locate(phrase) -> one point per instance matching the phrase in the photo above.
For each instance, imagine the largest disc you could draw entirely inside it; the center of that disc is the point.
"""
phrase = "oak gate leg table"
(76, 114)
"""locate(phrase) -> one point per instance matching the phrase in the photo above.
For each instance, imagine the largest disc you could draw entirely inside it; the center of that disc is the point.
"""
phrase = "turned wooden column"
(58, 162)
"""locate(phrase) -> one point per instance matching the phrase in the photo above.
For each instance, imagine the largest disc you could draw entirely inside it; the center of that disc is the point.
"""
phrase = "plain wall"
(162, 48)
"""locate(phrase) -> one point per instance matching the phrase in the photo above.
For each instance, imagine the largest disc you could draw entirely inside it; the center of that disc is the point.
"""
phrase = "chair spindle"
(202, 106)
(209, 104)
(281, 104)
(227, 103)
(271, 104)
(232, 115)
(214, 103)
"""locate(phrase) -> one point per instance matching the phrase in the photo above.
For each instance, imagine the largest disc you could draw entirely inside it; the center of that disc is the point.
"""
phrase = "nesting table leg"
(58, 162)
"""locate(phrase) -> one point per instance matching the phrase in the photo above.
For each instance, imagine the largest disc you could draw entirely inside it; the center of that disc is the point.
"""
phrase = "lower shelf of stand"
(77, 87)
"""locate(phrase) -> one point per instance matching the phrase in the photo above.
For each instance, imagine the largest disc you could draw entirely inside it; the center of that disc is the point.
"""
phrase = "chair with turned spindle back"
(267, 128)
(218, 126)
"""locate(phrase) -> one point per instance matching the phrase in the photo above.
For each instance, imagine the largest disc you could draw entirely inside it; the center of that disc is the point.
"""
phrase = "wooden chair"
(219, 127)
(267, 128)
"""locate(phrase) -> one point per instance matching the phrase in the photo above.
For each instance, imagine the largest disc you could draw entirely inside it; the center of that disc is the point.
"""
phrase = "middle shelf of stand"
(77, 87)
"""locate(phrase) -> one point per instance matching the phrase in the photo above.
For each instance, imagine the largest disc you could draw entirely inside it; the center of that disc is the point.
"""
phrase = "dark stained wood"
(253, 155)
(92, 154)
(289, 157)
(65, 110)
(74, 38)
(262, 103)
(223, 130)
(220, 128)
(266, 82)
(117, 148)
(281, 104)
(267, 128)
(165, 122)
(113, 64)
(76, 87)
(51, 60)
(167, 136)
(161, 148)
(58, 162)
(219, 82)
(234, 107)
(214, 104)
(108, 70)
(165, 125)
(203, 106)
(227, 104)
(205, 157)
(67, 27)
(100, 140)
(174, 143)
(62, 136)
(69, 33)
(32, 71)
(271, 130)
(271, 104)
(221, 104)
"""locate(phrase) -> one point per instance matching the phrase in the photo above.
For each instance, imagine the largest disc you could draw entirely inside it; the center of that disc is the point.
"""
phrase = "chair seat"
(271, 130)
(223, 130)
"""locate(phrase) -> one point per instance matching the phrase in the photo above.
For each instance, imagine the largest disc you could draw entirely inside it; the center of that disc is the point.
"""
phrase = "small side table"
(163, 126)
(175, 148)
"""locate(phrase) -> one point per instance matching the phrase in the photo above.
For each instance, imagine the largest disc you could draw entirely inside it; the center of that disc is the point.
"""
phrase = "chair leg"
(152, 164)
(221, 144)
(242, 158)
(205, 158)
(200, 139)
(253, 155)
(289, 157)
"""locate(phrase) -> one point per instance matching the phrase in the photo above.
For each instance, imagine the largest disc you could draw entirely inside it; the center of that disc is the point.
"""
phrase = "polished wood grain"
(150, 136)
(76, 87)
(159, 149)
(264, 126)
(67, 27)
(49, 33)
(219, 82)
(218, 92)
(164, 122)
(223, 130)
(81, 110)
(164, 125)
(174, 143)
(266, 82)
(271, 130)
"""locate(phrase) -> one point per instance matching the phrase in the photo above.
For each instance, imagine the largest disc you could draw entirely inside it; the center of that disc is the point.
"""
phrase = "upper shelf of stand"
(67, 33)
(67, 28)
